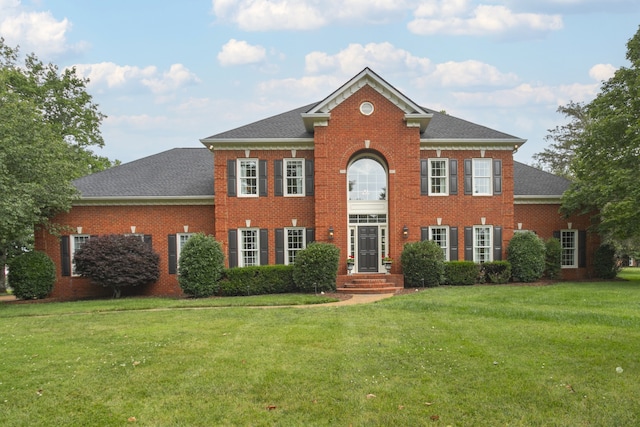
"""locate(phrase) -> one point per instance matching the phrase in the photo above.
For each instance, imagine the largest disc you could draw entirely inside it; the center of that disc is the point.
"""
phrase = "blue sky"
(168, 73)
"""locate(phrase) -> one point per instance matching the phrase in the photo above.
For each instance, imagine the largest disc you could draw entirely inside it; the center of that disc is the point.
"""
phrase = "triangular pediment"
(320, 114)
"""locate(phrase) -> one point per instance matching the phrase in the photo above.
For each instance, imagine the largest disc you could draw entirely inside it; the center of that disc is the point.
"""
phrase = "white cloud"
(239, 52)
(264, 15)
(461, 18)
(470, 73)
(37, 32)
(113, 76)
(602, 72)
(378, 56)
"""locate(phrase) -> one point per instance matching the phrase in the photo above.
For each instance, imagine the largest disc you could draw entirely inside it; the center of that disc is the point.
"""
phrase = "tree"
(117, 261)
(607, 160)
(48, 123)
(558, 157)
(200, 266)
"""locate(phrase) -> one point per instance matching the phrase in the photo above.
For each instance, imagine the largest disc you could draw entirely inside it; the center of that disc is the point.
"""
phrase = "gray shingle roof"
(180, 172)
(529, 181)
(289, 125)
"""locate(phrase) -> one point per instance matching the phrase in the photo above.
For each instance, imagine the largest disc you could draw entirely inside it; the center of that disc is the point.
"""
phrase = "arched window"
(367, 180)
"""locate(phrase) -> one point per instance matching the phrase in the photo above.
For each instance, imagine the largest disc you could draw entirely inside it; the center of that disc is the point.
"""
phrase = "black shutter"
(172, 250)
(65, 256)
(310, 235)
(233, 248)
(424, 233)
(453, 244)
(147, 240)
(468, 176)
(231, 178)
(278, 178)
(497, 176)
(468, 243)
(556, 234)
(264, 246)
(453, 177)
(279, 245)
(424, 177)
(262, 181)
(309, 174)
(582, 248)
(497, 243)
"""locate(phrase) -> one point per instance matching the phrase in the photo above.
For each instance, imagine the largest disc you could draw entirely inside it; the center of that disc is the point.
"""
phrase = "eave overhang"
(215, 144)
(537, 199)
(511, 144)
(145, 201)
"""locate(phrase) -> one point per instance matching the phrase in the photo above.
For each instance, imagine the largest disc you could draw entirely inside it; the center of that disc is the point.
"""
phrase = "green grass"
(470, 356)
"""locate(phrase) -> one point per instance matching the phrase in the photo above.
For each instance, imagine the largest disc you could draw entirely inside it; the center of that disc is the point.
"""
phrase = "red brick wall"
(544, 219)
(157, 221)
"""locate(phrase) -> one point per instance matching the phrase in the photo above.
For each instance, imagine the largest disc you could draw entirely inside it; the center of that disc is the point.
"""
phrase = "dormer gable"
(320, 114)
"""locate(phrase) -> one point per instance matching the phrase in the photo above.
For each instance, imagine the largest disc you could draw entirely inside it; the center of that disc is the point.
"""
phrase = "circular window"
(366, 108)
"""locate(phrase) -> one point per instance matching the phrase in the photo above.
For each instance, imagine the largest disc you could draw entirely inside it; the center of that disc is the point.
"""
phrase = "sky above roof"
(169, 73)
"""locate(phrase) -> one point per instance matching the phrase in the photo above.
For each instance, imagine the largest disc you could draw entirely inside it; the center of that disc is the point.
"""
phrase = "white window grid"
(295, 243)
(248, 177)
(77, 240)
(438, 177)
(181, 239)
(440, 235)
(482, 243)
(249, 245)
(569, 243)
(482, 177)
(294, 177)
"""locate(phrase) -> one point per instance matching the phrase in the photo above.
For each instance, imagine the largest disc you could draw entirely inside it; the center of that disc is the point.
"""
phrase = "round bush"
(526, 253)
(605, 264)
(200, 266)
(553, 255)
(422, 264)
(316, 268)
(32, 275)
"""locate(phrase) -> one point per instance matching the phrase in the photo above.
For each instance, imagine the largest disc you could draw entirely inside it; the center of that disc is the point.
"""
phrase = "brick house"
(366, 169)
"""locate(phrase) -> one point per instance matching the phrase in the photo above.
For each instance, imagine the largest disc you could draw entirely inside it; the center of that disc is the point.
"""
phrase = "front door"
(367, 249)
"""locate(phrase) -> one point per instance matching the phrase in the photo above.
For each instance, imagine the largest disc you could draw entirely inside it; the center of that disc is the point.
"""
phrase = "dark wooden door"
(367, 249)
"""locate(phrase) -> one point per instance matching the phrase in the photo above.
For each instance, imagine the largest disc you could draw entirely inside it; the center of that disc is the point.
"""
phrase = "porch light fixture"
(405, 231)
(331, 233)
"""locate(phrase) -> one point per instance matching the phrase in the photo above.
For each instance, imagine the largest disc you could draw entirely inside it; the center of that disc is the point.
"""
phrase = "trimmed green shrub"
(461, 273)
(422, 264)
(605, 263)
(117, 261)
(553, 255)
(316, 268)
(258, 280)
(497, 272)
(32, 275)
(200, 266)
(526, 253)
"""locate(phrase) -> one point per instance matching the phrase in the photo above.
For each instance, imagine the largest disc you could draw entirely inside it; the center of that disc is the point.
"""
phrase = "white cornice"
(537, 200)
(470, 144)
(258, 144)
(146, 201)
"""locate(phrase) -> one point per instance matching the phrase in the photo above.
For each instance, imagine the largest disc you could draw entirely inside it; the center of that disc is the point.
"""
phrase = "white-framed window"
(482, 177)
(138, 235)
(294, 244)
(438, 177)
(249, 245)
(569, 244)
(440, 235)
(77, 240)
(294, 177)
(482, 243)
(181, 239)
(248, 177)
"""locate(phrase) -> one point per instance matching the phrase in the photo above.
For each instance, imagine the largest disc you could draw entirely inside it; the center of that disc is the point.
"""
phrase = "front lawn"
(558, 355)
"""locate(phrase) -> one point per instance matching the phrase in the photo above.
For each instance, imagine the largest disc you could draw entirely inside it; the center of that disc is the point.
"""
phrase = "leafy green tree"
(200, 266)
(48, 123)
(116, 261)
(558, 157)
(607, 160)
